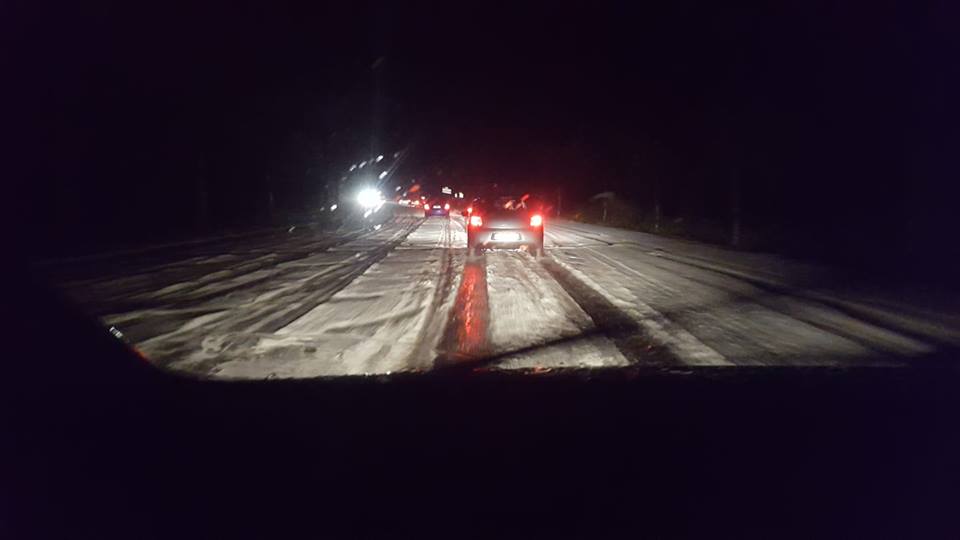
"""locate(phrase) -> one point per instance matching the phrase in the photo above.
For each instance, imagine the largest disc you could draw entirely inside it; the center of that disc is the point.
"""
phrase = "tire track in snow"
(625, 332)
(510, 314)
(737, 326)
(821, 313)
(372, 326)
(432, 331)
(538, 324)
(288, 302)
(658, 335)
(263, 288)
(802, 312)
(466, 338)
(196, 279)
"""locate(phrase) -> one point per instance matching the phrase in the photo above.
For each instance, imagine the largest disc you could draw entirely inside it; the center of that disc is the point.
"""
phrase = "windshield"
(310, 190)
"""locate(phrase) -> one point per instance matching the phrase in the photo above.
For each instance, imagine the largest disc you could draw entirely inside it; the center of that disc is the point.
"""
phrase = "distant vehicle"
(436, 207)
(507, 222)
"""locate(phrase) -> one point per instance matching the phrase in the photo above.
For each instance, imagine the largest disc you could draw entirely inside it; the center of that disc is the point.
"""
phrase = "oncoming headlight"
(369, 198)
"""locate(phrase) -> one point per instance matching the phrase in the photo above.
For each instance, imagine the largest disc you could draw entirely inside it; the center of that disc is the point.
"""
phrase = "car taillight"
(446, 207)
(536, 220)
(476, 221)
(426, 206)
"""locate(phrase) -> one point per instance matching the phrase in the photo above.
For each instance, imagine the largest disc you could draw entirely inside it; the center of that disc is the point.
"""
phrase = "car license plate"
(506, 236)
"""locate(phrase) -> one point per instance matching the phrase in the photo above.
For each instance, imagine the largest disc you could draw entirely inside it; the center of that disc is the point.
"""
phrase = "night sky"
(833, 122)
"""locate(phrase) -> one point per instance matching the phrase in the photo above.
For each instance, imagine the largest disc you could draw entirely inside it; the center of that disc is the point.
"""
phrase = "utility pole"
(202, 200)
(735, 210)
(603, 198)
(376, 124)
(656, 203)
(270, 201)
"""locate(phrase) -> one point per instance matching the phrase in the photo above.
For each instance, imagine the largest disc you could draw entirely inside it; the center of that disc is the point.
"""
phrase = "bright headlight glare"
(369, 198)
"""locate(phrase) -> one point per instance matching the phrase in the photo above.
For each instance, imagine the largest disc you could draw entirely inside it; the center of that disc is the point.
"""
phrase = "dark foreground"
(100, 444)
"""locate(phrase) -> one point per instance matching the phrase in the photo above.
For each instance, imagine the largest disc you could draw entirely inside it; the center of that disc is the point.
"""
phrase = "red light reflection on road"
(467, 335)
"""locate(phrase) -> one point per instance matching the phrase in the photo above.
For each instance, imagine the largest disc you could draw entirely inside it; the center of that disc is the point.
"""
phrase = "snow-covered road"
(405, 297)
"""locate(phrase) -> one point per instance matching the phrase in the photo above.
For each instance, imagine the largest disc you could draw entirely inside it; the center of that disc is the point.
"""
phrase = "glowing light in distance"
(369, 198)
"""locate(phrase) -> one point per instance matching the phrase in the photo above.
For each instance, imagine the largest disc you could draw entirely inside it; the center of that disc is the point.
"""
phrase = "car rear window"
(506, 205)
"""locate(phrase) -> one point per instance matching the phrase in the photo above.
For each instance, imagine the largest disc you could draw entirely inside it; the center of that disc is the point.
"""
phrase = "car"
(507, 222)
(436, 208)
